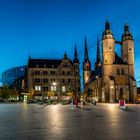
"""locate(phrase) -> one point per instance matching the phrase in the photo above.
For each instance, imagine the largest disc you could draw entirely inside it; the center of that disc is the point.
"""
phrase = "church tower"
(86, 65)
(128, 49)
(108, 58)
(108, 45)
(128, 57)
(76, 72)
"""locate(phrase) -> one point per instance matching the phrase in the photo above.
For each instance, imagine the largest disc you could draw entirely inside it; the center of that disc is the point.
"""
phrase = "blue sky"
(48, 28)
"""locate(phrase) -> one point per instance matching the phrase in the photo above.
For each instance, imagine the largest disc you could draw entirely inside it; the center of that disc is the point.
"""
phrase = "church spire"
(107, 25)
(127, 34)
(98, 57)
(107, 30)
(86, 58)
(75, 55)
(65, 55)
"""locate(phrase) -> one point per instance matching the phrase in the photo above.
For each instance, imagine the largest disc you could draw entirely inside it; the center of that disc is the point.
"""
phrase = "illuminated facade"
(54, 77)
(113, 76)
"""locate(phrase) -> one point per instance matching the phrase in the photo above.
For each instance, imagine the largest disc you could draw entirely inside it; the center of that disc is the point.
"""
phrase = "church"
(113, 76)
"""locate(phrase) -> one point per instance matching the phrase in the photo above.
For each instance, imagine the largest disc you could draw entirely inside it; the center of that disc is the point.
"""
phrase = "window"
(68, 72)
(44, 73)
(77, 73)
(63, 89)
(35, 72)
(63, 72)
(45, 80)
(69, 80)
(63, 80)
(122, 71)
(45, 88)
(38, 88)
(118, 71)
(52, 72)
(53, 88)
(37, 80)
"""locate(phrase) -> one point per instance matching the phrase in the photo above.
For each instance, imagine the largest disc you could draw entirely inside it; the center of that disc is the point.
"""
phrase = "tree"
(4, 92)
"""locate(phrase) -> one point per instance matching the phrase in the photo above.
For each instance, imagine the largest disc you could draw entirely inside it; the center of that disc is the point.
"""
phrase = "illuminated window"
(38, 88)
(53, 88)
(63, 89)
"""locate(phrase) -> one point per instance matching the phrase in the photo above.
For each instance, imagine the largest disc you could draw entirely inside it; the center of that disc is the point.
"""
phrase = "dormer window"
(37, 66)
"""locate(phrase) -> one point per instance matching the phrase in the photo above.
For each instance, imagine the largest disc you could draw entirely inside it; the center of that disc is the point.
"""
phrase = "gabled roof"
(97, 73)
(41, 63)
(118, 60)
(48, 63)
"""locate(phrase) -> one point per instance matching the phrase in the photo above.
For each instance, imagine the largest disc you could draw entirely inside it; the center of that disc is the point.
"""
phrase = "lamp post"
(97, 91)
(54, 88)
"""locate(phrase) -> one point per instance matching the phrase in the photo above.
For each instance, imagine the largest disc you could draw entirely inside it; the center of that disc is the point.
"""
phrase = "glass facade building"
(9, 76)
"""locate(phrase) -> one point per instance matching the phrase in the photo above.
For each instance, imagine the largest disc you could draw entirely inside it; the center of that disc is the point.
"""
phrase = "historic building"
(54, 77)
(113, 76)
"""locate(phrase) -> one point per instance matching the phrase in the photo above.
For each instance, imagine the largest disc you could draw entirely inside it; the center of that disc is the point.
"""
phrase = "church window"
(122, 71)
(118, 71)
(129, 49)
(110, 48)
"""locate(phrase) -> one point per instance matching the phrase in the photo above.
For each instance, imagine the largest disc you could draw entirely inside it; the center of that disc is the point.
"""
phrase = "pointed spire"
(75, 60)
(98, 58)
(65, 56)
(29, 57)
(107, 25)
(86, 58)
(127, 34)
(75, 53)
(126, 28)
(107, 30)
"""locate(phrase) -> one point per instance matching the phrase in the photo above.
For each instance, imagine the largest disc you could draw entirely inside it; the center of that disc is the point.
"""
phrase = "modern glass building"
(9, 76)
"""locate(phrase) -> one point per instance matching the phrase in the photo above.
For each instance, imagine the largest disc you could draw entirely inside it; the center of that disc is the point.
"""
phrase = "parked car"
(33, 101)
(65, 102)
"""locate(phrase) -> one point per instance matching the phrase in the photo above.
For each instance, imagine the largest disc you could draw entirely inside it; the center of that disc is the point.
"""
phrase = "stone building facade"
(113, 76)
(53, 76)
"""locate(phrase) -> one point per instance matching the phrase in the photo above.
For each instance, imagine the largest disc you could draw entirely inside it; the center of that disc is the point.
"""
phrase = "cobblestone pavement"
(63, 122)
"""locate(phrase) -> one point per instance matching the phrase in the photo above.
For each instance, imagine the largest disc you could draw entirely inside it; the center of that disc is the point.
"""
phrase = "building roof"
(118, 60)
(42, 63)
(97, 73)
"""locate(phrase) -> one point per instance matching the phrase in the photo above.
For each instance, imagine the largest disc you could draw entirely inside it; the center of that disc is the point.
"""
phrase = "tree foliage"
(6, 92)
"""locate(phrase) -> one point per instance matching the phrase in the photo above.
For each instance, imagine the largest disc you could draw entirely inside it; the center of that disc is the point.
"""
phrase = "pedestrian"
(95, 102)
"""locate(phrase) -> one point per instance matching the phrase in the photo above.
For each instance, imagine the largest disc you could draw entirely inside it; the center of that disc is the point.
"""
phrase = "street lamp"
(97, 91)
